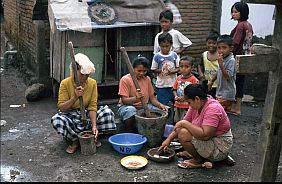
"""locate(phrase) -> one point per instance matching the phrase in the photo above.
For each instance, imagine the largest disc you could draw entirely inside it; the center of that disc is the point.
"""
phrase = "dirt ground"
(31, 150)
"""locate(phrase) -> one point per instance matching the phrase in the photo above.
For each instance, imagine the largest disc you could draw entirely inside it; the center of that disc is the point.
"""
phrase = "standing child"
(166, 65)
(242, 37)
(209, 62)
(186, 78)
(226, 73)
(180, 42)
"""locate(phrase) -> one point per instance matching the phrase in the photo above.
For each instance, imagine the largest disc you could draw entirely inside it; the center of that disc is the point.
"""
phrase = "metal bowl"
(166, 156)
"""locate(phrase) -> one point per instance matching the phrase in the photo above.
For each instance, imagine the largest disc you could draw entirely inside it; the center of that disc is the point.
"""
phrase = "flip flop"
(184, 154)
(233, 113)
(186, 164)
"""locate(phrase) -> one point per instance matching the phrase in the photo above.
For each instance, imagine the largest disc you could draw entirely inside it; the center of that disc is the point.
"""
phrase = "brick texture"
(19, 27)
(198, 19)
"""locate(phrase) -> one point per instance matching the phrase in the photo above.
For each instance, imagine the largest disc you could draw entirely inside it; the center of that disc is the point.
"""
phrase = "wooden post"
(270, 139)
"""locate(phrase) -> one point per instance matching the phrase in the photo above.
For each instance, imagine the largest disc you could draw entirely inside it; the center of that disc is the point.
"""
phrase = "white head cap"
(87, 67)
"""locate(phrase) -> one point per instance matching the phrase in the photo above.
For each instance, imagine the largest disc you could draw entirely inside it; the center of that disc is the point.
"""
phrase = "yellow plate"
(133, 162)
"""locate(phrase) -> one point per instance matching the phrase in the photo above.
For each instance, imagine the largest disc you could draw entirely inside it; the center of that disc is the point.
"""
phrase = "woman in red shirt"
(242, 37)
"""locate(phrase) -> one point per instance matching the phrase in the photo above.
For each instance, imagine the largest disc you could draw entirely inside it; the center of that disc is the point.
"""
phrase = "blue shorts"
(165, 95)
(127, 111)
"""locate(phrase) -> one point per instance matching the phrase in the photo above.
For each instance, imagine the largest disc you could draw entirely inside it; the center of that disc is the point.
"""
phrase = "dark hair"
(213, 35)
(167, 14)
(225, 39)
(188, 58)
(193, 90)
(140, 60)
(243, 8)
(165, 37)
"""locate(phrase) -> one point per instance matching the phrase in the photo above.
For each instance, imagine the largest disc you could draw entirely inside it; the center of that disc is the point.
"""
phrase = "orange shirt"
(127, 88)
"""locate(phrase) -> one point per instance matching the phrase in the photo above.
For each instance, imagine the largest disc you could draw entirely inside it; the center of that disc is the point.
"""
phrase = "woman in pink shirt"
(205, 132)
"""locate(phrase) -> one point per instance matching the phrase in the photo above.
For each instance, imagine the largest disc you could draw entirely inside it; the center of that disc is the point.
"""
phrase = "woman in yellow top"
(68, 120)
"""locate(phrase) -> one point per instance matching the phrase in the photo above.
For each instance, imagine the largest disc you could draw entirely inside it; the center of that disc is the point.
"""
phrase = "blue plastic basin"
(127, 143)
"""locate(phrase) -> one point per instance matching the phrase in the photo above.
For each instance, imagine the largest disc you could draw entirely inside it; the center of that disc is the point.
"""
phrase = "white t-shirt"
(178, 39)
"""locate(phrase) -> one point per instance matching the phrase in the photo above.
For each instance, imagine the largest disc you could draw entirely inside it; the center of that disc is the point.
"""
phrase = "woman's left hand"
(163, 107)
(95, 132)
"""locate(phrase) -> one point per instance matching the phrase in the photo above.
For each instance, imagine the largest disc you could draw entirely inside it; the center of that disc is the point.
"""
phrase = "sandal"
(233, 112)
(72, 148)
(184, 154)
(188, 164)
(98, 144)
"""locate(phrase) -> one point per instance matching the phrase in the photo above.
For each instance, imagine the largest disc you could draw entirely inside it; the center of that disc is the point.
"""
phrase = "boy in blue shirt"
(226, 74)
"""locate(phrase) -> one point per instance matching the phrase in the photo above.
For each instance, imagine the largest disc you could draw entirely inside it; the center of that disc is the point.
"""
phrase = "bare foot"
(72, 147)
(184, 154)
(190, 164)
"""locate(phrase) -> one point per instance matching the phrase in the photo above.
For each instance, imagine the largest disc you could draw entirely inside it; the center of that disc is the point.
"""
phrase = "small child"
(180, 42)
(186, 78)
(209, 62)
(166, 65)
(226, 73)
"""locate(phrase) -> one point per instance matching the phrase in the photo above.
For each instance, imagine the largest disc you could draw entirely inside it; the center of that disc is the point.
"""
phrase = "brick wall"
(20, 29)
(198, 19)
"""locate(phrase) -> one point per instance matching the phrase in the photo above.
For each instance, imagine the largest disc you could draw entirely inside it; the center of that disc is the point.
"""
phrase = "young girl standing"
(242, 38)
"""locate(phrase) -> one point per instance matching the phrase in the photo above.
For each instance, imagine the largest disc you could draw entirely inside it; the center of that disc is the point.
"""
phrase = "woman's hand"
(163, 107)
(95, 132)
(139, 94)
(164, 145)
(79, 91)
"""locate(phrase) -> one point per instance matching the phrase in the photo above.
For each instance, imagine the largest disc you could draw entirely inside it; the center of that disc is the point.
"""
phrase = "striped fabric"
(69, 123)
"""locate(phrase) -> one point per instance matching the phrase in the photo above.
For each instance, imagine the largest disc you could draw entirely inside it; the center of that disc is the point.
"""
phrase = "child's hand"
(220, 59)
(210, 83)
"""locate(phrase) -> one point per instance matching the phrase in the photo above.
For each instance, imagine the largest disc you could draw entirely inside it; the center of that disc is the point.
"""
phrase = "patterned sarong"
(69, 123)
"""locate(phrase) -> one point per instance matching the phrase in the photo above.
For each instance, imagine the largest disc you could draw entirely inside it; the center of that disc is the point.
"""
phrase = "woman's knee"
(184, 135)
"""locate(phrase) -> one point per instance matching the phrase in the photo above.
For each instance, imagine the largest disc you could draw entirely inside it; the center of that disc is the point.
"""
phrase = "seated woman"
(130, 98)
(68, 120)
(205, 132)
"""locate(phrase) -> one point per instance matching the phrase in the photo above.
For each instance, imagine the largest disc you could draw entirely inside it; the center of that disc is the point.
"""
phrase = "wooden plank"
(81, 39)
(139, 48)
(256, 63)
(270, 140)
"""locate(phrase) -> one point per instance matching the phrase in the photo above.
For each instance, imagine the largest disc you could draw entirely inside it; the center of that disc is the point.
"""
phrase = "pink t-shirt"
(127, 88)
(212, 114)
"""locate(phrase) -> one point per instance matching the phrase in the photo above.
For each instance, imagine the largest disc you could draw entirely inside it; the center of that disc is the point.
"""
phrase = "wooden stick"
(82, 108)
(135, 81)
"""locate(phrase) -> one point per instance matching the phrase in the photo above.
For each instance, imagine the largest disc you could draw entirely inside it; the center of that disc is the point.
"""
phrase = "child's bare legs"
(237, 106)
